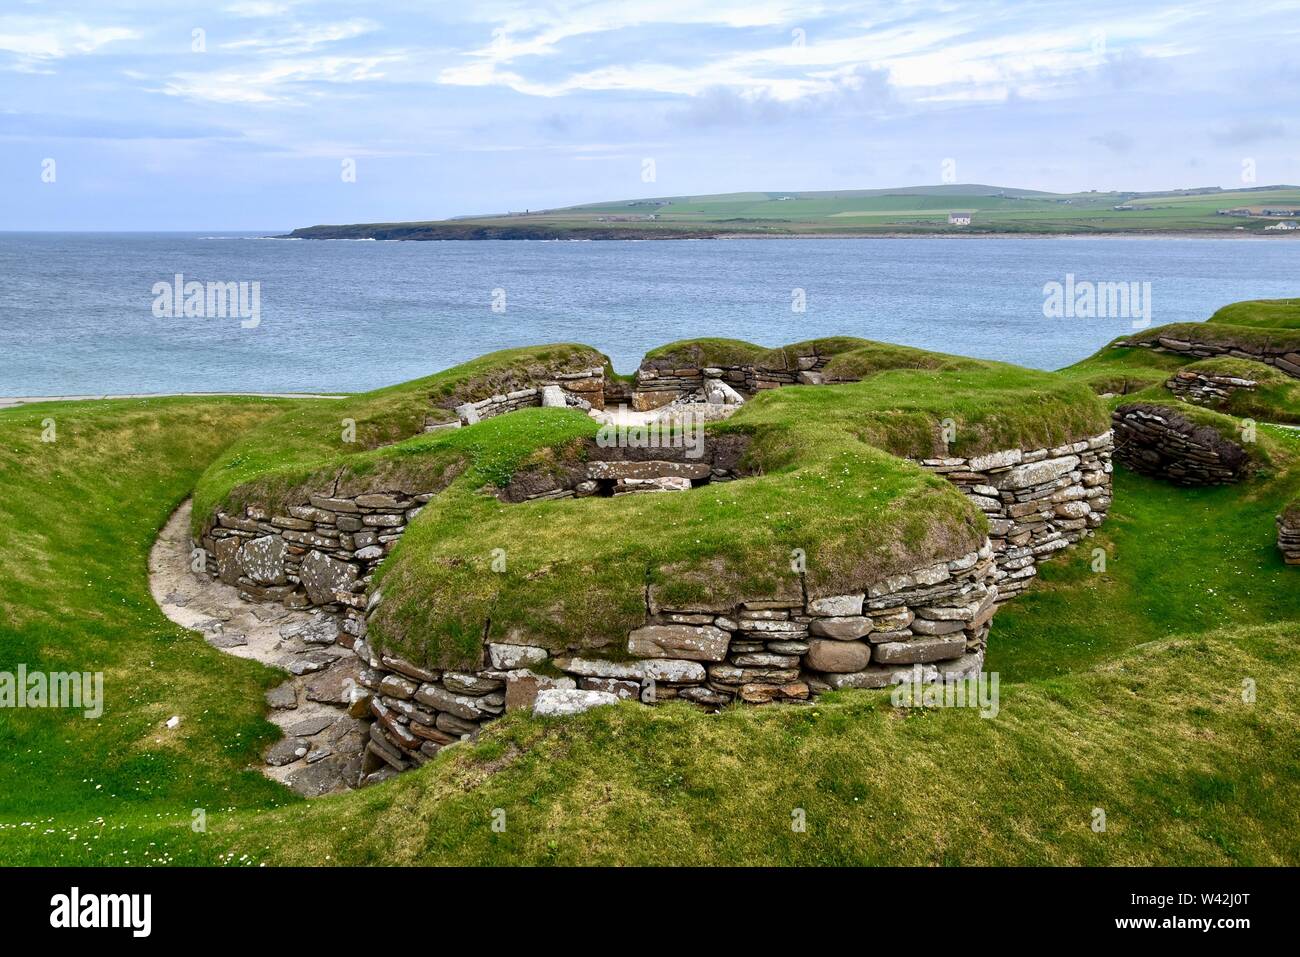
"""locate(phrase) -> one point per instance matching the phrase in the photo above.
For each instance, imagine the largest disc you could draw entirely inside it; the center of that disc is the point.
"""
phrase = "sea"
(95, 313)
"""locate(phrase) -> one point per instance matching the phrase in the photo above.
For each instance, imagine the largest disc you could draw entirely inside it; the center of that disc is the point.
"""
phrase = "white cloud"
(949, 57)
(53, 40)
(280, 81)
(255, 9)
(299, 38)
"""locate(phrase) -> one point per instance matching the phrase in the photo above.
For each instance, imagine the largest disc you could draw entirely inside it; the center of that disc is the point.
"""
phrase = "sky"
(273, 114)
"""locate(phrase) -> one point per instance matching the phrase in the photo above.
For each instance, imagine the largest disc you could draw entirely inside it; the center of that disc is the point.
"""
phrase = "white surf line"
(8, 402)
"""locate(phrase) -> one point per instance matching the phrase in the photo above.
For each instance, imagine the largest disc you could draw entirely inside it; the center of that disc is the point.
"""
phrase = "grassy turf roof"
(1135, 373)
(850, 358)
(308, 445)
(825, 471)
(1268, 313)
(1261, 448)
(1246, 338)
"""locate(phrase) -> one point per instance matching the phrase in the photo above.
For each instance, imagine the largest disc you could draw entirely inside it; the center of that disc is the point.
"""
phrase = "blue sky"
(241, 115)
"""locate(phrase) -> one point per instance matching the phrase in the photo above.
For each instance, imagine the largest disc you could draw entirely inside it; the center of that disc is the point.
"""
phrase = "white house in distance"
(959, 219)
(1286, 224)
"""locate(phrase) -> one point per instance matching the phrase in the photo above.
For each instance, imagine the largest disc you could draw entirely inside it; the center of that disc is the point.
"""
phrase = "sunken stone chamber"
(1161, 442)
(774, 648)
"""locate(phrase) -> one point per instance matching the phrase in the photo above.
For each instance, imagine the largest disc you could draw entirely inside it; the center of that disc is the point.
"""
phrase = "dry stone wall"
(1288, 537)
(626, 470)
(1208, 390)
(1276, 356)
(580, 390)
(660, 382)
(321, 553)
(936, 618)
(1036, 501)
(1162, 442)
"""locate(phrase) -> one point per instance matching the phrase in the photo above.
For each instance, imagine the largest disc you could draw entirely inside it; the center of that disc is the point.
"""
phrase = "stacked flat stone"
(771, 649)
(321, 553)
(580, 390)
(781, 649)
(1208, 390)
(610, 478)
(1276, 356)
(1161, 442)
(659, 383)
(418, 711)
(1036, 501)
(776, 648)
(607, 470)
(1288, 538)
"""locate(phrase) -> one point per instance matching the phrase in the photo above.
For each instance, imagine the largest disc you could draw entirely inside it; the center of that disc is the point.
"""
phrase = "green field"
(1121, 689)
(919, 210)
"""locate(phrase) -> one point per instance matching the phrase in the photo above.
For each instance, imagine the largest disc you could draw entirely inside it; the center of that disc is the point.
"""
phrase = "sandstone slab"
(837, 657)
(322, 576)
(690, 642)
(556, 702)
(846, 628)
(910, 652)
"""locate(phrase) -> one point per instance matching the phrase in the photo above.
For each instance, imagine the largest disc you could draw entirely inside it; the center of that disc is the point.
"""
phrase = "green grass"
(824, 476)
(1120, 689)
(80, 515)
(1271, 313)
(706, 352)
(1177, 561)
(309, 443)
(1159, 738)
(710, 352)
(1124, 371)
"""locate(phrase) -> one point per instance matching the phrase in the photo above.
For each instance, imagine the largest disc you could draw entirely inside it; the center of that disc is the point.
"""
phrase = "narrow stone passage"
(322, 742)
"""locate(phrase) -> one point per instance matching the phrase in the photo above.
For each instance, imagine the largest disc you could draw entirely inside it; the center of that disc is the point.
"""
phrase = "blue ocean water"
(76, 309)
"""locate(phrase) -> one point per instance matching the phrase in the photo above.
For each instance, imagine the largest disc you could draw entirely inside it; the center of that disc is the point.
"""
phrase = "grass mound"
(849, 358)
(1248, 338)
(1267, 313)
(827, 477)
(313, 443)
(1140, 374)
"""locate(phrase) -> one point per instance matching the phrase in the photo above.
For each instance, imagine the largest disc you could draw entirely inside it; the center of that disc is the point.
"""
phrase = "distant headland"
(948, 209)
